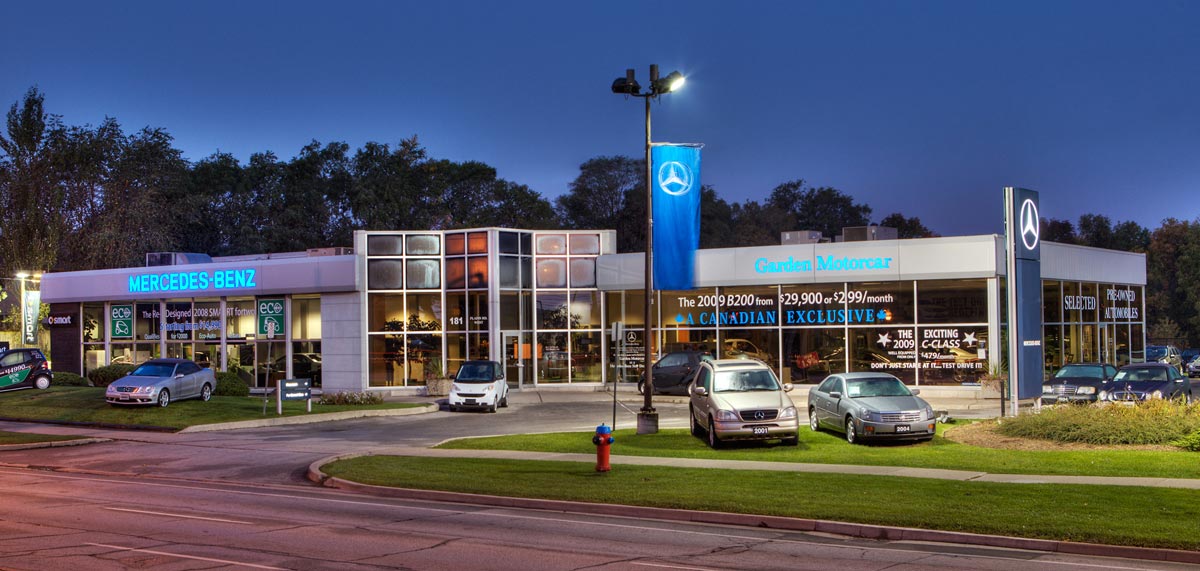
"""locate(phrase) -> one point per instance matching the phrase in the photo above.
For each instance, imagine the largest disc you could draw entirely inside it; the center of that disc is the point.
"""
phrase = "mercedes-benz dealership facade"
(404, 307)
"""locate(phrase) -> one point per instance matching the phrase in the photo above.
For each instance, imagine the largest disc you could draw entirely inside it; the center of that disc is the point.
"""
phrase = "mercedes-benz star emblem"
(675, 178)
(1029, 224)
(759, 415)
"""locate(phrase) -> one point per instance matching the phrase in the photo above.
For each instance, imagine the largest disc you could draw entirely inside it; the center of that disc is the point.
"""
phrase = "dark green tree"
(1059, 231)
(31, 196)
(825, 209)
(907, 227)
(602, 193)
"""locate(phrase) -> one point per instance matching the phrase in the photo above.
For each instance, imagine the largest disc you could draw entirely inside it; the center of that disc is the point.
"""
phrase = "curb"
(865, 531)
(310, 419)
(53, 444)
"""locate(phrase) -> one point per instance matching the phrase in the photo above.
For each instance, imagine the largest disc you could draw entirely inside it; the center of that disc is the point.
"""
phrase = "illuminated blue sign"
(828, 263)
(790, 317)
(192, 281)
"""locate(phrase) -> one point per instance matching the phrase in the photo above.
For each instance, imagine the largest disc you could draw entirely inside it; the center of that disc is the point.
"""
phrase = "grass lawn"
(28, 438)
(831, 448)
(1117, 515)
(86, 404)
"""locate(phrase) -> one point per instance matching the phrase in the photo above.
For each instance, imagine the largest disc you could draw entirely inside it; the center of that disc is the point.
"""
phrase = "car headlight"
(1085, 391)
(1047, 389)
(929, 412)
(726, 415)
(144, 390)
(867, 415)
(1103, 395)
(455, 387)
(789, 412)
(1156, 395)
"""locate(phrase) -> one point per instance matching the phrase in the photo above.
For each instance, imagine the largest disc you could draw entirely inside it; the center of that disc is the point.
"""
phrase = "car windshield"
(1152, 374)
(1080, 372)
(742, 381)
(475, 373)
(876, 387)
(1156, 352)
(154, 370)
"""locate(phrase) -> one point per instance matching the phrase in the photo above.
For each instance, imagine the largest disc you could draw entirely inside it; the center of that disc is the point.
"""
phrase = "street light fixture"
(628, 86)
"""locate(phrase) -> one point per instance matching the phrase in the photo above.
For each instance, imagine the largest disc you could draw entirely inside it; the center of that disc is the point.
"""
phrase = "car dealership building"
(561, 308)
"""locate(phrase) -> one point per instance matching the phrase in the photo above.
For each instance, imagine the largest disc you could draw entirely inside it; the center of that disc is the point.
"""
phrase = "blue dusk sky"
(925, 108)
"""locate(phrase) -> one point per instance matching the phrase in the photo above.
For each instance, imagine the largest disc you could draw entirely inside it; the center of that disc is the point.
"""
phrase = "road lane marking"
(179, 515)
(210, 559)
(671, 566)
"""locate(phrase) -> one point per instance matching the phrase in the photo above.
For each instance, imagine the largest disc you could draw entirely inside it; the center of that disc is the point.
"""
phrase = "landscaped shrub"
(230, 385)
(1150, 422)
(70, 380)
(103, 376)
(351, 398)
(1190, 442)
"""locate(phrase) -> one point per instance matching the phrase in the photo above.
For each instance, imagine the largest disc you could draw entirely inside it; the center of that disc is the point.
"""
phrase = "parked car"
(1165, 354)
(1188, 355)
(1193, 368)
(741, 399)
(744, 349)
(23, 369)
(674, 371)
(870, 406)
(162, 381)
(1144, 381)
(480, 385)
(1077, 383)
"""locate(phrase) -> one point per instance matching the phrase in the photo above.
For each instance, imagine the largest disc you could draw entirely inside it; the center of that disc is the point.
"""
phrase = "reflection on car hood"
(1140, 385)
(138, 381)
(1077, 381)
(753, 399)
(889, 404)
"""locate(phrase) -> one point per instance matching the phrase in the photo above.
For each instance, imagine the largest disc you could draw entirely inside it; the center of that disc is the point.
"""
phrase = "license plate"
(902, 428)
(759, 430)
(124, 397)
(469, 401)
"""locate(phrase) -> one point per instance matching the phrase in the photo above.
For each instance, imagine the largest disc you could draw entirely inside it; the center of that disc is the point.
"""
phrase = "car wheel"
(714, 441)
(164, 398)
(851, 433)
(206, 392)
(42, 383)
(641, 386)
(695, 426)
(504, 401)
(813, 423)
(492, 407)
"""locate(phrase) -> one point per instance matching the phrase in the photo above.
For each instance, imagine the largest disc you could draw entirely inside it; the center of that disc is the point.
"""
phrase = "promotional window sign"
(675, 175)
(270, 318)
(121, 322)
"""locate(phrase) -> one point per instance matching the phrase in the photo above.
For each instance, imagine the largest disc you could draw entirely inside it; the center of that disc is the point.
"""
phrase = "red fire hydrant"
(603, 439)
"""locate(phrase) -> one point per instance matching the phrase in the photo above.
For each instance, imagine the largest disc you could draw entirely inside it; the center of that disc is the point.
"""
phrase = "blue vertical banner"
(675, 172)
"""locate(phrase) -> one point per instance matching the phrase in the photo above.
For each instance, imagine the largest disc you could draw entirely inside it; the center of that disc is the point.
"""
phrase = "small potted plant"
(436, 382)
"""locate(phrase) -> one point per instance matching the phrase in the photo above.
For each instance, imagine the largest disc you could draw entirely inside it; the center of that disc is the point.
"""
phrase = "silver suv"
(739, 399)
(1165, 354)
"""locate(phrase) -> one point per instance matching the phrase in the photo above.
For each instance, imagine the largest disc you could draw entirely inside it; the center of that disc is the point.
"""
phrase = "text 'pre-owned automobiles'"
(1144, 381)
(869, 406)
(162, 381)
(479, 385)
(741, 399)
(23, 369)
(1079, 383)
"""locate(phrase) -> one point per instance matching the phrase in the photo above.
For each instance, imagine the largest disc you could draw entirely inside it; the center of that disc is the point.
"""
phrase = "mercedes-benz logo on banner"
(675, 178)
(1029, 224)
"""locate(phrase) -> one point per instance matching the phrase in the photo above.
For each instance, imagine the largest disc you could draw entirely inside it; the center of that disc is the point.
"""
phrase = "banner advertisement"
(29, 319)
(675, 171)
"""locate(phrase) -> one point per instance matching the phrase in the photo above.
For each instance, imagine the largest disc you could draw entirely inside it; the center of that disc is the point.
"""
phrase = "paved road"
(54, 521)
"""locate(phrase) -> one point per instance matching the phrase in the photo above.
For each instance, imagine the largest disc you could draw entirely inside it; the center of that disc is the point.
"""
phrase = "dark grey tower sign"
(1022, 225)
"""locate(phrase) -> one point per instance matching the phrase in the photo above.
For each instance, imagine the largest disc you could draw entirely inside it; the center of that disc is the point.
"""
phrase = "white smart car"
(479, 384)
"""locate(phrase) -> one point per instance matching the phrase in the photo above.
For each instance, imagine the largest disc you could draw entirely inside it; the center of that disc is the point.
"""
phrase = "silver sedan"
(869, 406)
(159, 381)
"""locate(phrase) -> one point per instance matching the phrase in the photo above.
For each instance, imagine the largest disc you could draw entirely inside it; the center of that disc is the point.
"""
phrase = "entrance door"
(517, 358)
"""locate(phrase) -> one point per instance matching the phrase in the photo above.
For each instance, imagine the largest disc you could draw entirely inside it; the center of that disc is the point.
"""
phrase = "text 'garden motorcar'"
(479, 384)
(1079, 383)
(161, 381)
(868, 406)
(23, 369)
(1144, 381)
(740, 399)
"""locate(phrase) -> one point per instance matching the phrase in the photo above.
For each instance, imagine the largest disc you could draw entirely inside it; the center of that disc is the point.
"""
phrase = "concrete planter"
(438, 387)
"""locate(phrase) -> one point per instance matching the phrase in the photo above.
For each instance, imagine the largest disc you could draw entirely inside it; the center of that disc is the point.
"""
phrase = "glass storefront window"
(1090, 302)
(306, 361)
(385, 360)
(554, 362)
(583, 244)
(811, 354)
(477, 311)
(952, 355)
(423, 245)
(1072, 303)
(585, 310)
(477, 243)
(456, 244)
(583, 272)
(208, 355)
(424, 353)
(384, 245)
(1051, 301)
(386, 312)
(891, 350)
(424, 274)
(816, 304)
(385, 274)
(147, 322)
(306, 318)
(94, 324)
(456, 273)
(1089, 343)
(179, 321)
(1052, 347)
(682, 309)
(585, 357)
(552, 272)
(206, 315)
(952, 301)
(510, 243)
(477, 272)
(424, 312)
(551, 244)
(93, 358)
(1137, 346)
(889, 302)
(510, 271)
(478, 348)
(760, 344)
(456, 312)
(553, 311)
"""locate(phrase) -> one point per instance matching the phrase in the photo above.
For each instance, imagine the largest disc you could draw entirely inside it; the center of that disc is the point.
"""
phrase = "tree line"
(90, 197)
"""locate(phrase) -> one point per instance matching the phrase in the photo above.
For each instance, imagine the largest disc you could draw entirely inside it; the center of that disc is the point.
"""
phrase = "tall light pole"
(22, 276)
(648, 417)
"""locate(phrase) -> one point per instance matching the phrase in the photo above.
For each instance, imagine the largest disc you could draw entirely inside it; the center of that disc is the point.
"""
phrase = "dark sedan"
(1145, 381)
(674, 372)
(1079, 383)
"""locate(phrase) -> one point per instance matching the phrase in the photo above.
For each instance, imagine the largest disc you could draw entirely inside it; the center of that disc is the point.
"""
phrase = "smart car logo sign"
(1029, 224)
(121, 321)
